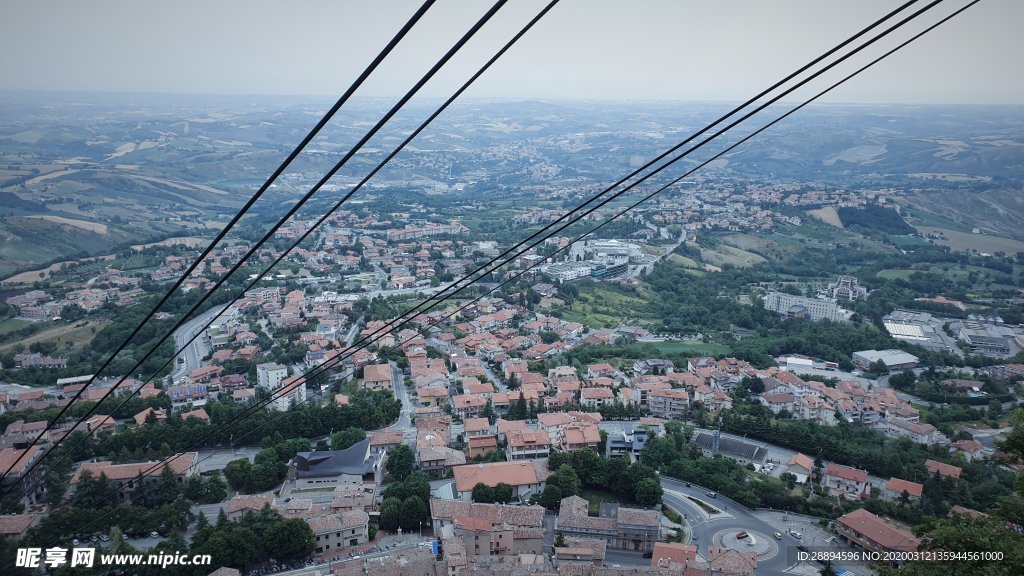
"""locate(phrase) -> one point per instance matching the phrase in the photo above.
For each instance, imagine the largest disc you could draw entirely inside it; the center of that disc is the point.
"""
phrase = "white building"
(802, 307)
(270, 375)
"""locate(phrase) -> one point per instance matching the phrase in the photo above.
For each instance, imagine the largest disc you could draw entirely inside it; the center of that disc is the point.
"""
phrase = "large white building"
(803, 307)
(270, 375)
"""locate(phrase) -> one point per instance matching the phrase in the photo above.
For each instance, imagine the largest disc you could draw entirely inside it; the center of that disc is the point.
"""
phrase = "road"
(720, 529)
(404, 421)
(195, 351)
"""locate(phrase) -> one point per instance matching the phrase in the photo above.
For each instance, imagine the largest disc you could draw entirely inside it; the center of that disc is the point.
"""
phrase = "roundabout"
(762, 545)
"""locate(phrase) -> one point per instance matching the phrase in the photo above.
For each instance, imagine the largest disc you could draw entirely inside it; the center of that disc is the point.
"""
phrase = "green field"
(600, 307)
(10, 325)
(695, 348)
(895, 274)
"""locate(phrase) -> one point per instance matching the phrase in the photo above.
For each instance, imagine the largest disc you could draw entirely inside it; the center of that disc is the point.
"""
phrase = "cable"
(372, 173)
(718, 155)
(220, 236)
(394, 110)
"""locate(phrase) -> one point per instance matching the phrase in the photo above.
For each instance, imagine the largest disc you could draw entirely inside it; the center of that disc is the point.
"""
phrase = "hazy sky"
(618, 49)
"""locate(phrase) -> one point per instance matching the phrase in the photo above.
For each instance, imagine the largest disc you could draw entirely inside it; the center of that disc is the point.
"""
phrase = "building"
(917, 431)
(893, 359)
(728, 562)
(353, 465)
(677, 553)
(628, 441)
(846, 482)
(864, 530)
(739, 450)
(812, 309)
(846, 289)
(242, 503)
(528, 444)
(585, 551)
(439, 458)
(23, 478)
(131, 477)
(483, 527)
(291, 393)
(526, 477)
(942, 469)
(340, 530)
(377, 377)
(895, 488)
(671, 404)
(619, 527)
(15, 526)
(270, 375)
(801, 466)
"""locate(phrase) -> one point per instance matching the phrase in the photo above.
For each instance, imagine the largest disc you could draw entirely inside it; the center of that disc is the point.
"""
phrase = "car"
(154, 534)
(688, 485)
(802, 548)
(796, 534)
(778, 535)
(741, 535)
(75, 542)
(713, 494)
(648, 554)
(694, 536)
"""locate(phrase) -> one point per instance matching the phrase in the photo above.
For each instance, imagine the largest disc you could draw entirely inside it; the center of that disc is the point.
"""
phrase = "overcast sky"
(616, 49)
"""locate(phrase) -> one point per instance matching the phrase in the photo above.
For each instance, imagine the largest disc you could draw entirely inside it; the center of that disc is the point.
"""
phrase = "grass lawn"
(10, 325)
(595, 497)
(893, 274)
(698, 348)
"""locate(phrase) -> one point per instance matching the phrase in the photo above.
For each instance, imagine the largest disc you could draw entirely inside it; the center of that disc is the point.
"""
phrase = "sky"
(710, 50)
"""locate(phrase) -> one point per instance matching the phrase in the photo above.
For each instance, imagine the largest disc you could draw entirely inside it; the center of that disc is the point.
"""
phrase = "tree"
(648, 492)
(488, 412)
(789, 479)
(962, 532)
(237, 474)
(551, 497)
(559, 539)
(566, 479)
(291, 539)
(413, 511)
(400, 462)
(502, 493)
(827, 569)
(390, 514)
(347, 438)
(483, 494)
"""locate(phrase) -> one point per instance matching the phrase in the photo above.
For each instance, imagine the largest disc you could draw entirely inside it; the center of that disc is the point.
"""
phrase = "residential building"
(270, 375)
(527, 477)
(377, 377)
(23, 478)
(129, 477)
(528, 444)
(942, 469)
(846, 482)
(895, 488)
(439, 458)
(339, 530)
(242, 503)
(864, 530)
(620, 527)
(670, 404)
(917, 431)
(291, 393)
(478, 524)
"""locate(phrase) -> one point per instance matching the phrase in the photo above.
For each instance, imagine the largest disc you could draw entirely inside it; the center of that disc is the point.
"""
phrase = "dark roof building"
(353, 465)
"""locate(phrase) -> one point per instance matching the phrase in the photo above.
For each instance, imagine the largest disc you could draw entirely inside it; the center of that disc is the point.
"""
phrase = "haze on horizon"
(584, 49)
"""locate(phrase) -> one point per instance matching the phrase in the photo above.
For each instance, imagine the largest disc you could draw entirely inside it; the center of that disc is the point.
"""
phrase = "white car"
(796, 534)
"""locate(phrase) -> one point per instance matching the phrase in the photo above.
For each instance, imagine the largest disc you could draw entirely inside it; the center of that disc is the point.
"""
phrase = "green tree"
(390, 514)
(648, 492)
(291, 539)
(347, 438)
(502, 493)
(551, 497)
(483, 494)
(566, 479)
(413, 511)
(237, 474)
(400, 462)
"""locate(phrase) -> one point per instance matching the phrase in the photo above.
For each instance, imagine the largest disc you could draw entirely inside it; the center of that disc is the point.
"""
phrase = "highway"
(195, 351)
